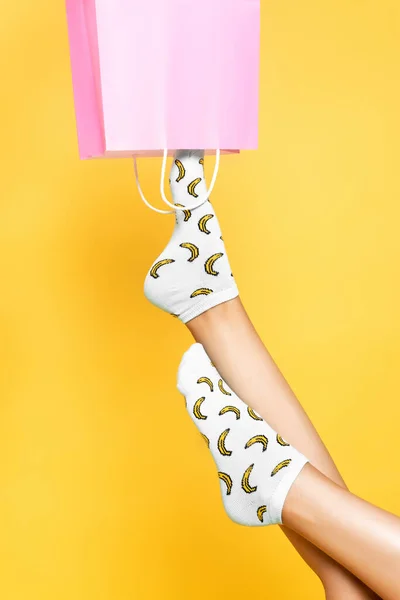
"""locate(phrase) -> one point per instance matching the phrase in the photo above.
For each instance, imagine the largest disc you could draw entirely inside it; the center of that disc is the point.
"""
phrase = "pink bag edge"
(89, 118)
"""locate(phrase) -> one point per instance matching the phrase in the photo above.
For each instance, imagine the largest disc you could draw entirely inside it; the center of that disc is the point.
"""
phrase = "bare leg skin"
(240, 356)
(363, 538)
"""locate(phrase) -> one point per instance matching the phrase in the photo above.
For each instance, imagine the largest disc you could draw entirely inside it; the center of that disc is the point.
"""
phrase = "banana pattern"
(196, 409)
(282, 465)
(221, 444)
(203, 253)
(246, 472)
(209, 264)
(260, 513)
(203, 223)
(222, 389)
(192, 187)
(228, 409)
(258, 439)
(208, 381)
(253, 414)
(227, 480)
(160, 263)
(281, 441)
(245, 481)
(201, 292)
(182, 171)
(193, 249)
(205, 438)
(187, 213)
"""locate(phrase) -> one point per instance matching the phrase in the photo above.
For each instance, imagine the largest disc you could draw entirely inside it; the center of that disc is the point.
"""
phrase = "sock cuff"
(209, 302)
(281, 491)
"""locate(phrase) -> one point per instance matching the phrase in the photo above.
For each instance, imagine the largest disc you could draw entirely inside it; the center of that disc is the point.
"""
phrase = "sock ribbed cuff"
(209, 302)
(278, 498)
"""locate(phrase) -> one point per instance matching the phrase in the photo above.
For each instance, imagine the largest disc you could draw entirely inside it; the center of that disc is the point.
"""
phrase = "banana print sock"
(256, 466)
(193, 273)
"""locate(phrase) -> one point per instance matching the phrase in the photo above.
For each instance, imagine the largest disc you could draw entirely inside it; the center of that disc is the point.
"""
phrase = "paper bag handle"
(162, 185)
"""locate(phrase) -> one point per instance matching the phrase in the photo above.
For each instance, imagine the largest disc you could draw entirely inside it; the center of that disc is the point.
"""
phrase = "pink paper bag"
(155, 74)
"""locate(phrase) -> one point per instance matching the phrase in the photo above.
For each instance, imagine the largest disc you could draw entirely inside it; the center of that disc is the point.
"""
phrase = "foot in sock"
(193, 273)
(256, 466)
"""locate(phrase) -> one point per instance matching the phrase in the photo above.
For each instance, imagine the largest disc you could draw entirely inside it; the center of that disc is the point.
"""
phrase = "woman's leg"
(360, 536)
(337, 581)
(190, 277)
(233, 345)
(265, 480)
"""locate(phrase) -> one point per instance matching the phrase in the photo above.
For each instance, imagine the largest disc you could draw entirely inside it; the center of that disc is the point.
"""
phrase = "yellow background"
(106, 493)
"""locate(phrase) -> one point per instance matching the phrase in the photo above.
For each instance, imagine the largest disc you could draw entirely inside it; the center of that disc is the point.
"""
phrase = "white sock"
(256, 467)
(193, 273)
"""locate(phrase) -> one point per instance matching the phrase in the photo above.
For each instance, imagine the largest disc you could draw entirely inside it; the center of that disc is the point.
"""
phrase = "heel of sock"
(166, 289)
(194, 358)
(156, 293)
